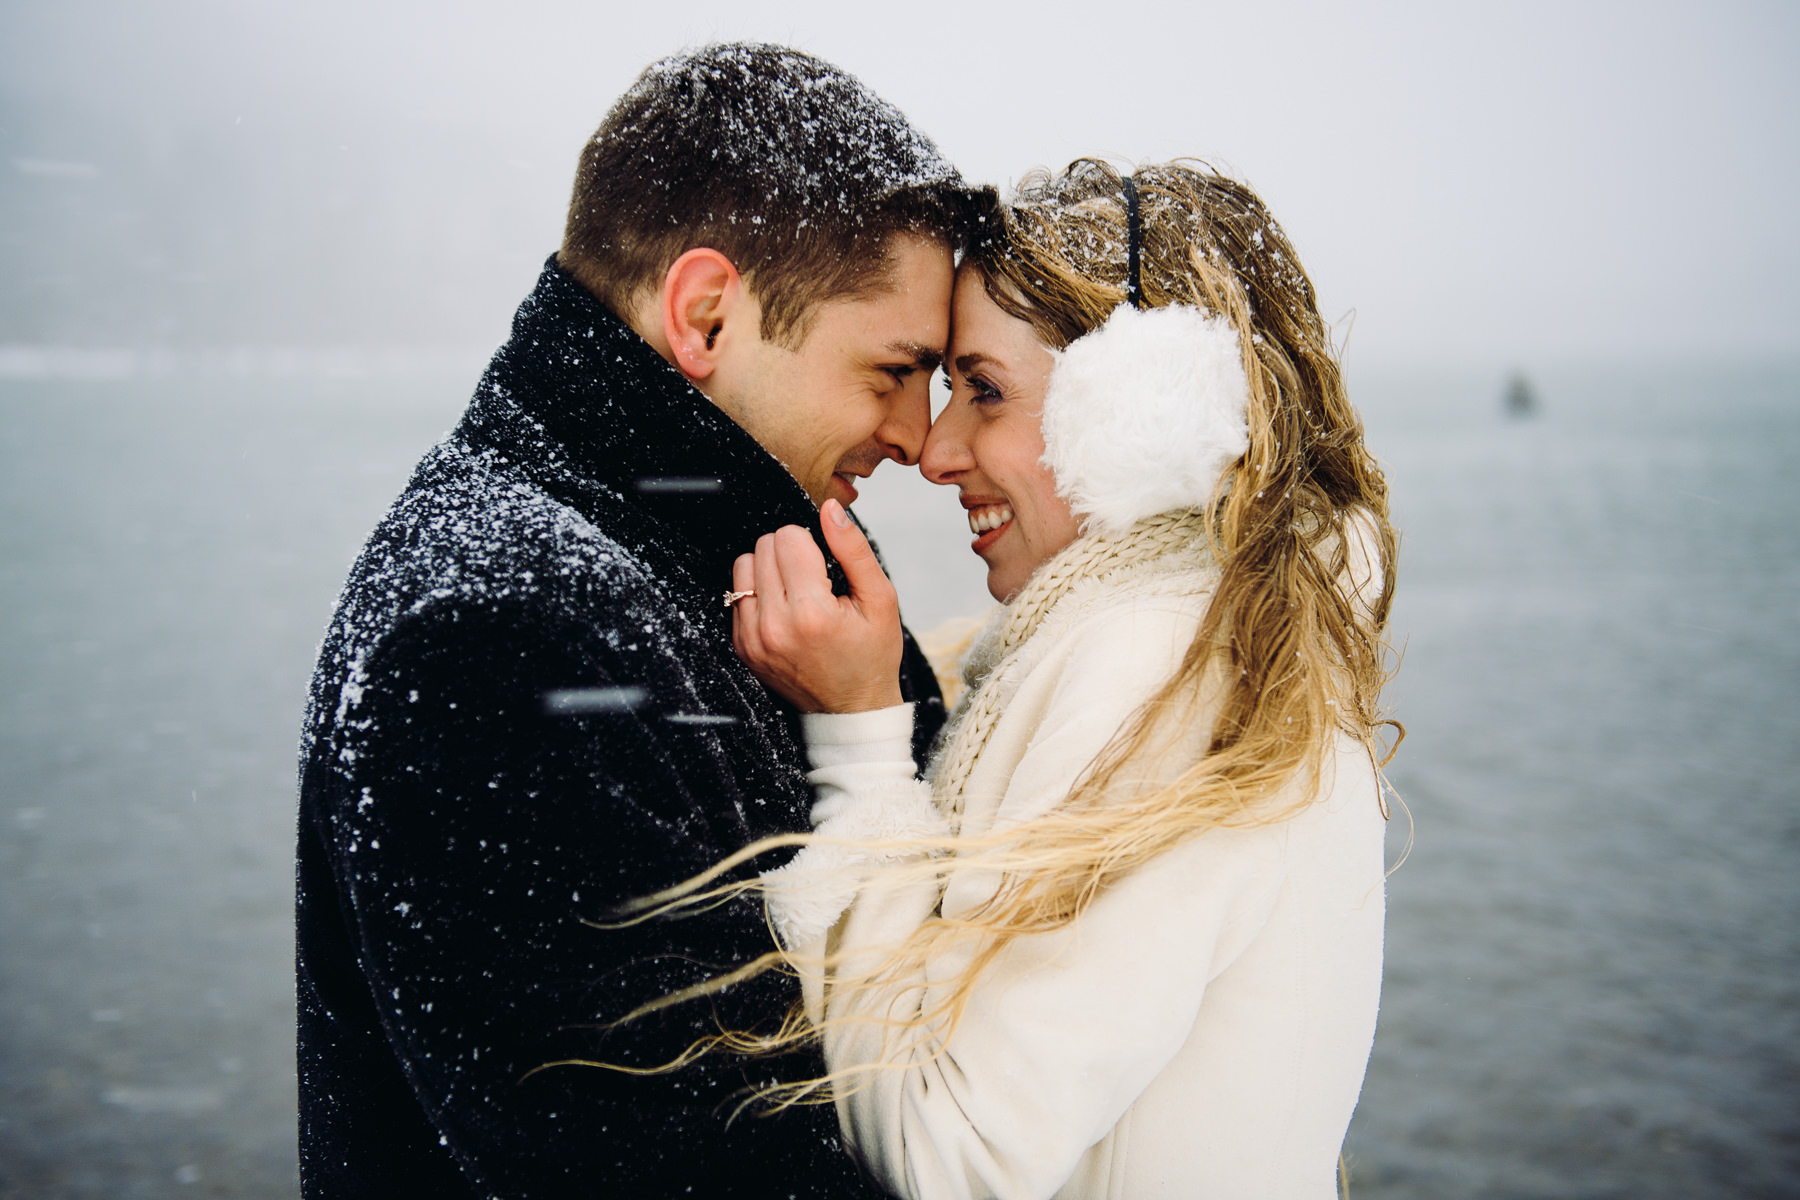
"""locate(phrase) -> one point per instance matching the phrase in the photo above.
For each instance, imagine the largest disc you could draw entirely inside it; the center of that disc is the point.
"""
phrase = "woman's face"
(989, 439)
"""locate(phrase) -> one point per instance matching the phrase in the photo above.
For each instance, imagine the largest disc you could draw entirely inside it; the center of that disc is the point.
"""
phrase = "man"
(527, 710)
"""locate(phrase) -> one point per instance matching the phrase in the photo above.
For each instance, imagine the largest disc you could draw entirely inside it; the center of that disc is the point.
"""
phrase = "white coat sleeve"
(1066, 1029)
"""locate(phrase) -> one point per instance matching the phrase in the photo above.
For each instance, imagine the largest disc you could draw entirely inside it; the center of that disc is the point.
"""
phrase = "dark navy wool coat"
(527, 710)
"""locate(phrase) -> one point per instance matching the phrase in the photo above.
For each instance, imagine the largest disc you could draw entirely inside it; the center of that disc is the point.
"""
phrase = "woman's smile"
(988, 520)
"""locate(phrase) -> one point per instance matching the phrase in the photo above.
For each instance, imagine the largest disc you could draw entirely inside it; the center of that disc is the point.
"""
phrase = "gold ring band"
(732, 598)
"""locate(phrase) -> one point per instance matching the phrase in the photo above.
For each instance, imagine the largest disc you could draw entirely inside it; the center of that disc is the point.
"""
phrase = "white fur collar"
(1144, 414)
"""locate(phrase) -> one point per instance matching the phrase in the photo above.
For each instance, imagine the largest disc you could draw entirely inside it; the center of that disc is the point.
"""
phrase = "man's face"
(856, 390)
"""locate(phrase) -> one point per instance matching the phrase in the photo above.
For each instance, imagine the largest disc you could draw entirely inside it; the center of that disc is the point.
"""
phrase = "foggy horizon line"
(31, 361)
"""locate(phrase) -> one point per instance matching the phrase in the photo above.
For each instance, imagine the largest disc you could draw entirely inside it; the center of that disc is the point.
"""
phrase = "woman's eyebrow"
(968, 362)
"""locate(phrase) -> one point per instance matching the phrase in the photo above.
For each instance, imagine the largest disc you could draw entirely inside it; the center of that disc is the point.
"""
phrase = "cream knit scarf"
(1094, 556)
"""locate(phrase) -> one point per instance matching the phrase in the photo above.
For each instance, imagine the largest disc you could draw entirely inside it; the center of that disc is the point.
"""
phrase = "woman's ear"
(700, 294)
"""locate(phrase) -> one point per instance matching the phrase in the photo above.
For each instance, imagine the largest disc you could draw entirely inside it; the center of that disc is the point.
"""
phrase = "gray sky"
(1482, 184)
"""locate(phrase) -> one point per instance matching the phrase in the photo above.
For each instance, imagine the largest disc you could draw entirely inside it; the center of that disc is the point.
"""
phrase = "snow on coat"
(525, 711)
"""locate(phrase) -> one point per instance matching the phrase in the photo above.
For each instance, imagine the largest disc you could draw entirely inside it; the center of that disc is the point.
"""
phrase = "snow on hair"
(1144, 414)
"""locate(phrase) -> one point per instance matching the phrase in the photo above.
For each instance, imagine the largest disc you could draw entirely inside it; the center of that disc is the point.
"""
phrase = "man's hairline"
(883, 281)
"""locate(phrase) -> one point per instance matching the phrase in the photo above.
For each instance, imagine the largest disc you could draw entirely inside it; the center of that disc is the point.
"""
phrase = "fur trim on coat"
(807, 895)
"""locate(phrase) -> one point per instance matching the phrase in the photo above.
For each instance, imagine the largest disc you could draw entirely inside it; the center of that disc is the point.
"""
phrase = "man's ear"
(702, 294)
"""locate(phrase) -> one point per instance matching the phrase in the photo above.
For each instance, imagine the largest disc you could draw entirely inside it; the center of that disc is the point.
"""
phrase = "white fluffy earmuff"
(1144, 414)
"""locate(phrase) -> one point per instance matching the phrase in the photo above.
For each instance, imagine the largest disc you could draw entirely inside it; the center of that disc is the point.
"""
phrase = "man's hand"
(825, 653)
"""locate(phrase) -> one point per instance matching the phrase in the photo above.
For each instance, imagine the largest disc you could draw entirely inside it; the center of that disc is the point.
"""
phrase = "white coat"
(1201, 1031)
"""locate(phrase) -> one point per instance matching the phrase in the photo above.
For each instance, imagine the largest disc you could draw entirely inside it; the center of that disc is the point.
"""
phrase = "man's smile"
(842, 487)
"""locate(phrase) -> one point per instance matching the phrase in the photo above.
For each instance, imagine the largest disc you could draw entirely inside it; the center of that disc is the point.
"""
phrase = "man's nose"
(946, 453)
(902, 435)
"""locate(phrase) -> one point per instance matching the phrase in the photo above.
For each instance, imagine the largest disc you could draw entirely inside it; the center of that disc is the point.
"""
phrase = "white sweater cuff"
(854, 752)
(844, 732)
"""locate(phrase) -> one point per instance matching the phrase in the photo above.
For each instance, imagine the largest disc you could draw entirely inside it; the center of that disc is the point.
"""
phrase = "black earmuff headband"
(1134, 232)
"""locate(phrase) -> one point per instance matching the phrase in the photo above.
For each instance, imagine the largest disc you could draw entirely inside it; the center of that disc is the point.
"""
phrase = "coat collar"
(584, 405)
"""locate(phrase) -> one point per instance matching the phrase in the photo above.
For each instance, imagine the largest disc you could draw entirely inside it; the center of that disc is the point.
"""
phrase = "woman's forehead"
(979, 326)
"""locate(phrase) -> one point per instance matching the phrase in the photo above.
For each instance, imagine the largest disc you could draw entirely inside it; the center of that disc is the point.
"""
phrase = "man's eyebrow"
(923, 356)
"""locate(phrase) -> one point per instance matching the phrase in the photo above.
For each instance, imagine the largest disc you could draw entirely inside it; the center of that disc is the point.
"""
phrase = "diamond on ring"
(732, 598)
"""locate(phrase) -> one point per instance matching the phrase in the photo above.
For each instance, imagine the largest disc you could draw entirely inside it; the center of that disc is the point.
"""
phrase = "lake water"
(1593, 979)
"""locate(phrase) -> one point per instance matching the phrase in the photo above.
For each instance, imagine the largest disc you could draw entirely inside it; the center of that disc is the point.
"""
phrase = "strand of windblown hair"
(1093, 556)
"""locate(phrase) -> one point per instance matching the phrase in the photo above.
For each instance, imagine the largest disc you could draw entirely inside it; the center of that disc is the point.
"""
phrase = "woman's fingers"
(802, 568)
(788, 618)
(743, 577)
(823, 652)
(744, 637)
(765, 576)
(869, 584)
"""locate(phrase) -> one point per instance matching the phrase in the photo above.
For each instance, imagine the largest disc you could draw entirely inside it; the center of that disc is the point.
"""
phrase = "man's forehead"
(903, 317)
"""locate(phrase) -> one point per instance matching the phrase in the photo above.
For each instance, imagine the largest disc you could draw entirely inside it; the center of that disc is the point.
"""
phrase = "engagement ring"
(732, 598)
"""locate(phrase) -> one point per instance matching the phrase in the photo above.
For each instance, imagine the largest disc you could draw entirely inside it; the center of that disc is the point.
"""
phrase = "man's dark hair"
(786, 165)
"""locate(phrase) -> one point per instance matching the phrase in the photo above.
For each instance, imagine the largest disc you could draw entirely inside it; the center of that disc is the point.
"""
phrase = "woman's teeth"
(992, 517)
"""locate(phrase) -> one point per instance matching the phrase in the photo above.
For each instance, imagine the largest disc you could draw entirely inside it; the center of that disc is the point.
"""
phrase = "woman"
(1127, 941)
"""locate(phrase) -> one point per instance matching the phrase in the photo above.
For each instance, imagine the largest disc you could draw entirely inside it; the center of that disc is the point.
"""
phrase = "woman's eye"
(983, 391)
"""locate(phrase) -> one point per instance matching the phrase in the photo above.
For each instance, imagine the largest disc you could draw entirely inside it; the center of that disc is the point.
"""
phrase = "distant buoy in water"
(1520, 400)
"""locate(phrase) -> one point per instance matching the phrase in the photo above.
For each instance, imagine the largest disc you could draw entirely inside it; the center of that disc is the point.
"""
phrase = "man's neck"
(645, 320)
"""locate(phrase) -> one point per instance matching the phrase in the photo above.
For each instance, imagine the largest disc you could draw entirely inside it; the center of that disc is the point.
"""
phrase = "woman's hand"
(825, 653)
